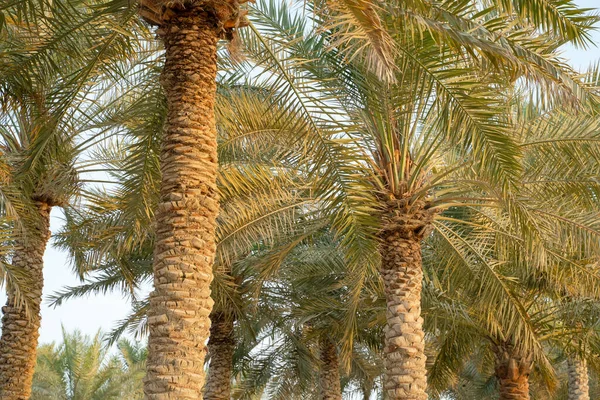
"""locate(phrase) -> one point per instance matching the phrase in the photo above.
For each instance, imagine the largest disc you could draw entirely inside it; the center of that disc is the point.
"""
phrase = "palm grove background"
(363, 149)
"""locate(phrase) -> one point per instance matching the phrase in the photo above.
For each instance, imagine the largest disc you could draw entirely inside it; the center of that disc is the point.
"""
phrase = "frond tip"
(357, 28)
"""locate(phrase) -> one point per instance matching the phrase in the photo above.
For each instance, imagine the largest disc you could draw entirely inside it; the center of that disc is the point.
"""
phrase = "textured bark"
(20, 334)
(180, 304)
(512, 372)
(221, 346)
(579, 387)
(329, 377)
(401, 270)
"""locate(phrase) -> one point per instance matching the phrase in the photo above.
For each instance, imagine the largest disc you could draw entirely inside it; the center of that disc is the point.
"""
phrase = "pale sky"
(103, 311)
(581, 59)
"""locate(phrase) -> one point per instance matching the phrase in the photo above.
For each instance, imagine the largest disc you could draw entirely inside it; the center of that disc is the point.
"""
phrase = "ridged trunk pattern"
(221, 346)
(180, 304)
(579, 386)
(20, 334)
(401, 270)
(329, 376)
(512, 372)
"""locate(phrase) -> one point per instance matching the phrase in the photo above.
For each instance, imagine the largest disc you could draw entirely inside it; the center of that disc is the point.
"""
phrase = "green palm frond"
(80, 368)
(360, 32)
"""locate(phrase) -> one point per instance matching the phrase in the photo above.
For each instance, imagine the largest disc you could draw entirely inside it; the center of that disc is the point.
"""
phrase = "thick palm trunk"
(19, 333)
(221, 346)
(329, 377)
(180, 304)
(402, 274)
(579, 388)
(512, 372)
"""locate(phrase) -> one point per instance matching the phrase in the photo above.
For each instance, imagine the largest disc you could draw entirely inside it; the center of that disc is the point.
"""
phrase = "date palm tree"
(557, 198)
(80, 368)
(471, 361)
(41, 105)
(427, 138)
(578, 354)
(186, 214)
(265, 200)
(50, 181)
(296, 353)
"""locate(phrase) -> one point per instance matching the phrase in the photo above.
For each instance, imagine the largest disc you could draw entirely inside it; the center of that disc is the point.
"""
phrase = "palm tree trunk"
(579, 388)
(329, 377)
(20, 334)
(221, 346)
(512, 372)
(180, 304)
(404, 227)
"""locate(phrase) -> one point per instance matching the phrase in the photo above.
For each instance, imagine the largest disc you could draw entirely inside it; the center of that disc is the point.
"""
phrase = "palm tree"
(296, 353)
(329, 376)
(265, 199)
(579, 387)
(42, 107)
(472, 361)
(428, 136)
(221, 347)
(581, 315)
(187, 212)
(186, 215)
(48, 183)
(542, 284)
(80, 368)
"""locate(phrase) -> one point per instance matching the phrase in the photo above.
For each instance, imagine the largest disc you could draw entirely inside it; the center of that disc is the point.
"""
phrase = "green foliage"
(306, 301)
(337, 109)
(81, 368)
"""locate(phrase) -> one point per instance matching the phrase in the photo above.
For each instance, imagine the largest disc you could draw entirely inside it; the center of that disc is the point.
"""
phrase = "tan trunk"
(329, 377)
(402, 274)
(221, 346)
(405, 372)
(512, 372)
(19, 333)
(180, 304)
(404, 227)
(579, 388)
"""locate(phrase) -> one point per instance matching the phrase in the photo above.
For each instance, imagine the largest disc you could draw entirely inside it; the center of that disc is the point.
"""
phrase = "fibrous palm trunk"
(329, 377)
(221, 346)
(512, 372)
(579, 388)
(20, 334)
(180, 304)
(401, 270)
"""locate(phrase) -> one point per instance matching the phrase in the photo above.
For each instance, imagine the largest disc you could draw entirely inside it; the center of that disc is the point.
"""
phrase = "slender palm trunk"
(180, 304)
(402, 274)
(221, 346)
(512, 372)
(579, 388)
(329, 377)
(19, 331)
